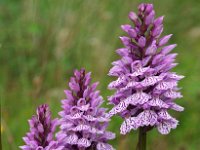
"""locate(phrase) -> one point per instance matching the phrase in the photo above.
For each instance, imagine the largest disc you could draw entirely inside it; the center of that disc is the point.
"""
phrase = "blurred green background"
(42, 41)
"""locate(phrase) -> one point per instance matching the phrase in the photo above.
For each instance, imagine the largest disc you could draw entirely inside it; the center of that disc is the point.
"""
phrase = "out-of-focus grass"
(41, 42)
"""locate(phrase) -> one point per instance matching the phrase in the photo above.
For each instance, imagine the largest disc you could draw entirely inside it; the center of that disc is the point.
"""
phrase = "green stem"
(142, 139)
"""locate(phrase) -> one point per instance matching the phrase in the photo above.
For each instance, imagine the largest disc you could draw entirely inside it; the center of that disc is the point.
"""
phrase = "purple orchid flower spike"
(40, 136)
(145, 86)
(83, 121)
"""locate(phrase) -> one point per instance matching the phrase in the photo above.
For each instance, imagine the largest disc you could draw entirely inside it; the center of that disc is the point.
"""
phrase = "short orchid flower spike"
(83, 121)
(145, 87)
(40, 136)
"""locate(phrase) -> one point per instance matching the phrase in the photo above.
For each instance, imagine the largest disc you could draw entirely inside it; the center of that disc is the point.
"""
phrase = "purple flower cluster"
(41, 132)
(83, 122)
(145, 87)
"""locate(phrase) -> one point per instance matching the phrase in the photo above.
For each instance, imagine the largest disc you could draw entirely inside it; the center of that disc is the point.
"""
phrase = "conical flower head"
(145, 87)
(83, 122)
(40, 136)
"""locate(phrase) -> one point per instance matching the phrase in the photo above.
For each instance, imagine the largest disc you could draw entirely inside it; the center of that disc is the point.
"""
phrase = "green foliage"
(42, 41)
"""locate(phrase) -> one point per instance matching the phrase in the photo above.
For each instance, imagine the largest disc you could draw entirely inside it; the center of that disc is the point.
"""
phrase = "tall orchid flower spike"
(40, 136)
(145, 87)
(83, 121)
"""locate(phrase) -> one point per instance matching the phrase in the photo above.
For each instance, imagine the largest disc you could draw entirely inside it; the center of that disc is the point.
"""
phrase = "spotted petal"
(147, 117)
(125, 127)
(89, 118)
(176, 107)
(72, 139)
(119, 108)
(164, 115)
(81, 127)
(117, 83)
(130, 123)
(151, 80)
(75, 116)
(158, 102)
(104, 146)
(100, 119)
(138, 98)
(130, 85)
(139, 71)
(166, 85)
(84, 107)
(83, 142)
(172, 94)
(175, 76)
(165, 126)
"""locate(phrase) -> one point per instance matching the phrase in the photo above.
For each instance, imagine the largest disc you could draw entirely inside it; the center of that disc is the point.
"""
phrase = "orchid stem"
(142, 139)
